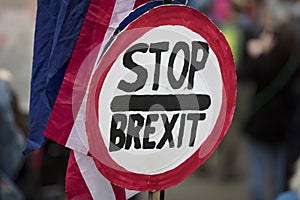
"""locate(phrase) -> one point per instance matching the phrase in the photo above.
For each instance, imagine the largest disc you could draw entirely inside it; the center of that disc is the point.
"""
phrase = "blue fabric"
(58, 25)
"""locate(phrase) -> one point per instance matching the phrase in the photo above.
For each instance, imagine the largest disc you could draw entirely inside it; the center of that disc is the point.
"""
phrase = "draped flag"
(69, 38)
(69, 105)
(58, 25)
(63, 77)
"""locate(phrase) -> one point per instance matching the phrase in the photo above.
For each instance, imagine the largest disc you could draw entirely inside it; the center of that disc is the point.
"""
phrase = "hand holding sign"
(161, 99)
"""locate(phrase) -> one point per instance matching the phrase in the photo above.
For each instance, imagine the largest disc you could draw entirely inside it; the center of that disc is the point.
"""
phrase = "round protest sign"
(161, 99)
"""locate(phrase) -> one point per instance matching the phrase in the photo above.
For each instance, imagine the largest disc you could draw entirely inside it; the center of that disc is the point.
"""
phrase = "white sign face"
(160, 100)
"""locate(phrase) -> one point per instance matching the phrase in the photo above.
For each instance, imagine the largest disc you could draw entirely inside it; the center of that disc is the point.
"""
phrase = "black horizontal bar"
(160, 102)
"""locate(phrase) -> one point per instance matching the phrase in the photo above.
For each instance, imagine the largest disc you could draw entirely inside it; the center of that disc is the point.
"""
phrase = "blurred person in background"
(229, 15)
(11, 142)
(270, 67)
(39, 175)
(293, 134)
(232, 18)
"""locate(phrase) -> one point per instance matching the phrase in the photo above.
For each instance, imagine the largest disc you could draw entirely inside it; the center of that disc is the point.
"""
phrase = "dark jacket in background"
(273, 77)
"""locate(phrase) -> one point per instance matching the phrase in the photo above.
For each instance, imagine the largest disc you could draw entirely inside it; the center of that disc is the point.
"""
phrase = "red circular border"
(159, 16)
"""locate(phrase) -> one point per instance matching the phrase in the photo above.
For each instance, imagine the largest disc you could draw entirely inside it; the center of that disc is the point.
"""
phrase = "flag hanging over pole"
(69, 38)
(79, 29)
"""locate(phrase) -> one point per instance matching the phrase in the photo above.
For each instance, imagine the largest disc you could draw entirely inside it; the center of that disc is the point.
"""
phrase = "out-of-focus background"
(257, 158)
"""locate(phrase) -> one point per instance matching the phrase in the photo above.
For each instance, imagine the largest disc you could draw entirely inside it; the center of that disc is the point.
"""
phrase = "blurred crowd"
(39, 175)
(264, 36)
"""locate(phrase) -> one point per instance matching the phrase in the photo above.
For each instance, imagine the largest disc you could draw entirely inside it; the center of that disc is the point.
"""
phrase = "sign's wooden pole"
(157, 195)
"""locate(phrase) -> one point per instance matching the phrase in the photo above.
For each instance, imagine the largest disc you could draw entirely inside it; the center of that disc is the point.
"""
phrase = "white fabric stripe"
(130, 193)
(98, 185)
(77, 139)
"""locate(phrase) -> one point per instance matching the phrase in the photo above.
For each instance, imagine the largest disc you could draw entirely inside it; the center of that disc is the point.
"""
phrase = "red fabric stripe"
(119, 192)
(140, 2)
(85, 54)
(76, 189)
